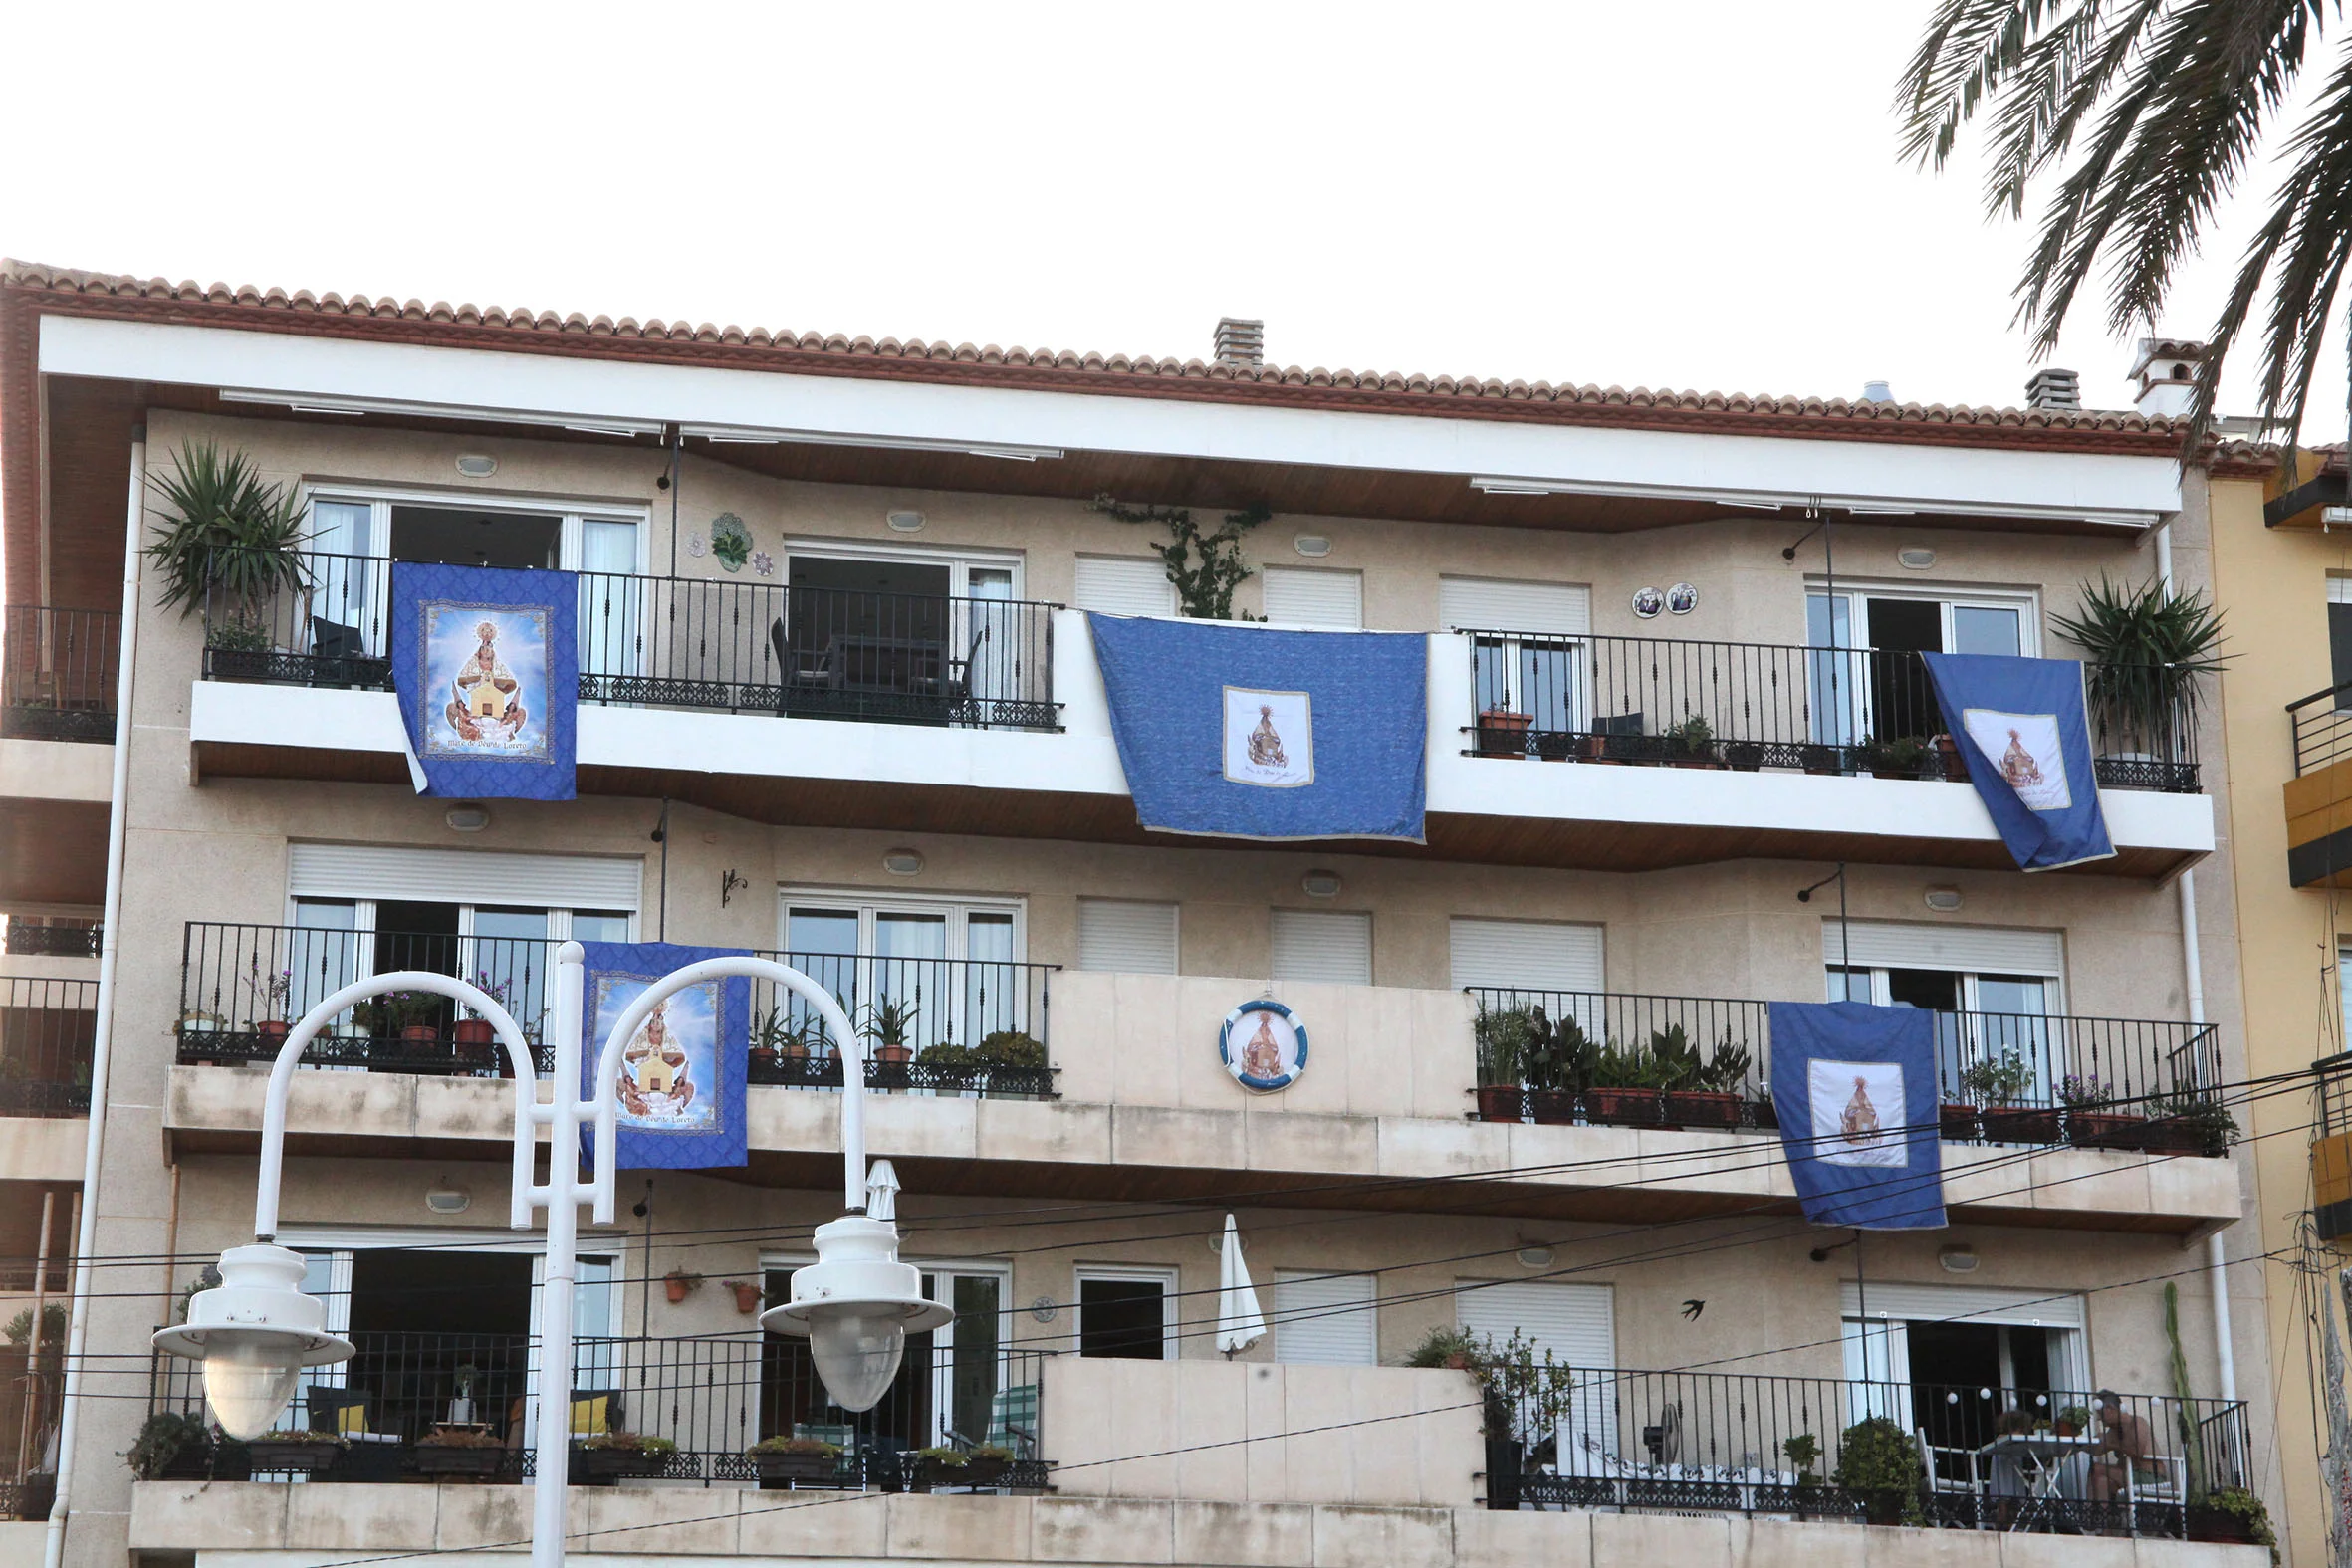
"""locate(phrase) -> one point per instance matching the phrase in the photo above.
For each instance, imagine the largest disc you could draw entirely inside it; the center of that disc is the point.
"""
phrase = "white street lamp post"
(257, 1330)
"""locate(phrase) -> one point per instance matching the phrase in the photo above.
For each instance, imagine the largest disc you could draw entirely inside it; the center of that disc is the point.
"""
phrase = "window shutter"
(1576, 1323)
(1326, 1319)
(1313, 945)
(1315, 597)
(1556, 609)
(1974, 949)
(1126, 938)
(1527, 955)
(463, 876)
(1963, 1303)
(1124, 585)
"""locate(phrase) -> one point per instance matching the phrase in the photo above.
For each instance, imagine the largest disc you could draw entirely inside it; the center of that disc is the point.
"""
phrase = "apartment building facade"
(840, 703)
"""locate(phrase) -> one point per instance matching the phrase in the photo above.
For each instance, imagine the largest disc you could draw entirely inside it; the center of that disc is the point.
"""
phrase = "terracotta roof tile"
(1384, 390)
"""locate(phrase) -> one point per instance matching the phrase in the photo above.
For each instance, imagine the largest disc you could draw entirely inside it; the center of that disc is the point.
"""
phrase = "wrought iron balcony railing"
(49, 936)
(426, 1405)
(2323, 728)
(693, 642)
(942, 1026)
(2003, 1077)
(1748, 706)
(47, 1030)
(58, 673)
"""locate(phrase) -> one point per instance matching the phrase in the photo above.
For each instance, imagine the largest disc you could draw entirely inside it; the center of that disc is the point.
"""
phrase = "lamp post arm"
(273, 1113)
(837, 1022)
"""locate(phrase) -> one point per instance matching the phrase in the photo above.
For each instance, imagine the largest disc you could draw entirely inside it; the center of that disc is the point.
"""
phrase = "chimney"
(2163, 373)
(1241, 342)
(1877, 393)
(2054, 390)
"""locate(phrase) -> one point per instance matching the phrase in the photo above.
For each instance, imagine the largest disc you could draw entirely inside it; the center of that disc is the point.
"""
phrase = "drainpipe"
(2217, 1257)
(102, 1049)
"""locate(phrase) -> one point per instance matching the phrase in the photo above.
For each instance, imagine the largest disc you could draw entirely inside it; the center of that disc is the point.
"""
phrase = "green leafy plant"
(206, 1279)
(238, 635)
(1675, 1060)
(2202, 1112)
(947, 1053)
(2184, 1399)
(1204, 588)
(166, 1436)
(2078, 1416)
(777, 1035)
(953, 1459)
(1559, 1055)
(1446, 1346)
(1879, 1460)
(1501, 1037)
(390, 1012)
(2084, 1093)
(1009, 1048)
(52, 1325)
(889, 1022)
(2239, 1503)
(991, 1452)
(1725, 1071)
(2147, 646)
(1901, 754)
(629, 1442)
(1804, 1451)
(809, 1448)
(1532, 1387)
(224, 534)
(1997, 1080)
(304, 1434)
(1693, 737)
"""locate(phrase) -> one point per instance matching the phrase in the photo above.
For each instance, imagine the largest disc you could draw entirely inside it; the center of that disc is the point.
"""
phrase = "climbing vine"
(1204, 588)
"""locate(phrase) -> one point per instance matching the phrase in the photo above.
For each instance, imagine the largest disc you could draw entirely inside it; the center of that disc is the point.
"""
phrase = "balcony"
(942, 1027)
(58, 673)
(428, 1407)
(1702, 1062)
(47, 1030)
(49, 936)
(1746, 707)
(693, 643)
(2319, 795)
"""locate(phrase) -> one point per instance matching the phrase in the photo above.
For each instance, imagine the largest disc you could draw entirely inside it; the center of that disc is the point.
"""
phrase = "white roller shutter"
(1973, 950)
(1124, 585)
(464, 876)
(1963, 1303)
(1313, 945)
(1315, 597)
(1527, 955)
(1126, 938)
(1556, 609)
(1327, 1319)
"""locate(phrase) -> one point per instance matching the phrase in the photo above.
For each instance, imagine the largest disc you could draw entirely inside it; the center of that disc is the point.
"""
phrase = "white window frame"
(942, 1273)
(1856, 592)
(1131, 1273)
(959, 561)
(872, 902)
(381, 499)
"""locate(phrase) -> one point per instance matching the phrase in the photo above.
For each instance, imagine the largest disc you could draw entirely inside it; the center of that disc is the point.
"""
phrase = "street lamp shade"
(255, 1332)
(856, 1303)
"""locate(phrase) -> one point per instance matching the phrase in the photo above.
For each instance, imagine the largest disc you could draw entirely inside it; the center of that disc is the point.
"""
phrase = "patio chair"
(2166, 1486)
(1012, 1420)
(797, 670)
(1951, 1473)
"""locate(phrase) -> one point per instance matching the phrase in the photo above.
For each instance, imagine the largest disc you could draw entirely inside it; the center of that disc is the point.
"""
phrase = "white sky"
(1703, 195)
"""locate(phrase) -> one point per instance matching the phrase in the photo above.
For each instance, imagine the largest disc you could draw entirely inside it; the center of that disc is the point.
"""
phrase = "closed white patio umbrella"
(1239, 1322)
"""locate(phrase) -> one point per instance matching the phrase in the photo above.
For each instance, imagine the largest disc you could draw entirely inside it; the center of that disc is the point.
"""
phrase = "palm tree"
(2145, 114)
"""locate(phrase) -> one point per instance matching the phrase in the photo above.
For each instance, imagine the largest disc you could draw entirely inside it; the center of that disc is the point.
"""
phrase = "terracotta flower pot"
(420, 1034)
(273, 1028)
(747, 1297)
(1703, 1108)
(1552, 1107)
(892, 1055)
(1502, 733)
(2102, 1130)
(2023, 1124)
(1498, 1102)
(476, 1031)
(1624, 1107)
(675, 1288)
(1957, 1122)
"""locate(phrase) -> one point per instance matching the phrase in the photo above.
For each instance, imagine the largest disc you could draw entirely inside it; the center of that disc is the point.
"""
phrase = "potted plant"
(681, 1284)
(1555, 1063)
(269, 992)
(612, 1455)
(459, 1448)
(1902, 757)
(2186, 1122)
(2072, 1421)
(2145, 649)
(1503, 732)
(1500, 1035)
(2233, 1515)
(747, 1294)
(1009, 1048)
(411, 1018)
(1691, 744)
(1711, 1097)
(1878, 1462)
(981, 1466)
(1744, 756)
(1956, 766)
(949, 1068)
(166, 1436)
(1996, 1083)
(228, 541)
(2091, 1120)
(293, 1448)
(889, 1025)
(1625, 1089)
(796, 1460)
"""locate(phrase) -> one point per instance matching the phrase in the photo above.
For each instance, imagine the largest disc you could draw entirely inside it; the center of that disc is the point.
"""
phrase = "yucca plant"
(2147, 646)
(225, 534)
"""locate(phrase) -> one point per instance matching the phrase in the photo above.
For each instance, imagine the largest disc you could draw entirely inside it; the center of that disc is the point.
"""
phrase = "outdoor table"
(2040, 1458)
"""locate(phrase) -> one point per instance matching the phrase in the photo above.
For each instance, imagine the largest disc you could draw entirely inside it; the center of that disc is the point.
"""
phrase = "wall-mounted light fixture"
(467, 819)
(1321, 884)
(477, 465)
(903, 863)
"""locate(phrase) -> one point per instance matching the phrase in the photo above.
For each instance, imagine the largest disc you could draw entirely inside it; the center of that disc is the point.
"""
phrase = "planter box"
(2220, 1526)
(1624, 1107)
(1957, 1122)
(1503, 734)
(305, 1459)
(2102, 1130)
(1744, 756)
(1702, 1108)
(434, 1458)
(1552, 1107)
(805, 1468)
(2171, 1135)
(605, 1465)
(2029, 1124)
(1500, 1102)
(979, 1472)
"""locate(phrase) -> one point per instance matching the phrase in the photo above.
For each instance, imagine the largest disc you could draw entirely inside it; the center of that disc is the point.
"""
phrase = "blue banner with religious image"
(1855, 1087)
(682, 1073)
(487, 671)
(1248, 733)
(2022, 727)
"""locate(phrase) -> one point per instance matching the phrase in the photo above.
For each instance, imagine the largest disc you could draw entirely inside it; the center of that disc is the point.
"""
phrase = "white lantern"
(857, 1305)
(255, 1332)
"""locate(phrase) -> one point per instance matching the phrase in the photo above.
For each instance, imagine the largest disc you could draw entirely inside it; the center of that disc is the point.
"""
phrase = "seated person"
(2125, 1445)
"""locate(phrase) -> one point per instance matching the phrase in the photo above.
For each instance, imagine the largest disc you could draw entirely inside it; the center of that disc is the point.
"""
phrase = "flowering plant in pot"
(1997, 1083)
(295, 1449)
(611, 1455)
(983, 1465)
(459, 1450)
(788, 1458)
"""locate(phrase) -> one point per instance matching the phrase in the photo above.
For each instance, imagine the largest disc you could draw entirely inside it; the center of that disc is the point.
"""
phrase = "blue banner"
(487, 671)
(2020, 727)
(681, 1083)
(1254, 733)
(1855, 1087)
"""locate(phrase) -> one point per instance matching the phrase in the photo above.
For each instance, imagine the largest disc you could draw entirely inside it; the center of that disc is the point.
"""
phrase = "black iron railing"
(58, 673)
(1733, 1442)
(711, 1400)
(1700, 1061)
(1750, 706)
(941, 1025)
(47, 1030)
(693, 642)
(49, 936)
(2323, 728)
